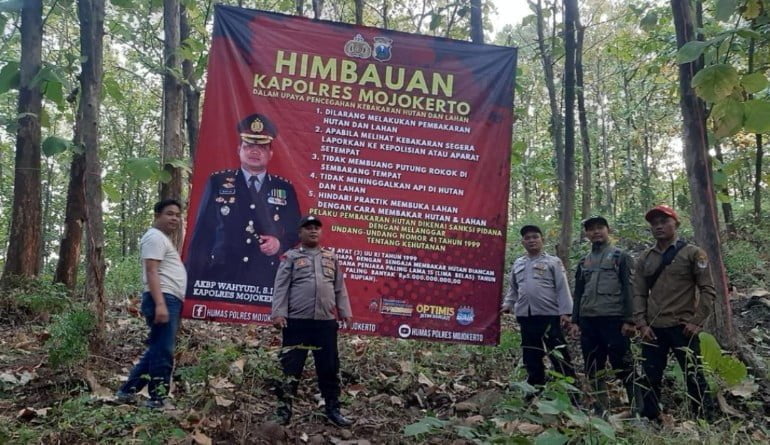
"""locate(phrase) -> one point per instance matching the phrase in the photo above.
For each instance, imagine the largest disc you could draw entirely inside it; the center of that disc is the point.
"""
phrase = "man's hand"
(647, 333)
(269, 245)
(346, 321)
(506, 309)
(574, 330)
(161, 314)
(279, 322)
(566, 321)
(691, 330)
(628, 330)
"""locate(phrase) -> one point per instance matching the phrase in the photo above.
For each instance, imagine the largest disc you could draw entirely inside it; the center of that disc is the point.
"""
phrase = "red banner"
(399, 143)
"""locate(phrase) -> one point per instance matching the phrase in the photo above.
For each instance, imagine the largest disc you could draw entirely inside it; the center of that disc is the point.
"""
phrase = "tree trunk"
(359, 12)
(758, 179)
(24, 238)
(477, 27)
(172, 106)
(586, 141)
(192, 95)
(74, 220)
(318, 6)
(385, 13)
(704, 211)
(568, 201)
(91, 14)
(727, 208)
(555, 126)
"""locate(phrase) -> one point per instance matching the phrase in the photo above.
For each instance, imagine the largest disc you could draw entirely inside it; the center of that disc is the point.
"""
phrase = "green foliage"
(729, 369)
(53, 145)
(124, 278)
(715, 82)
(24, 298)
(215, 360)
(68, 345)
(423, 426)
(757, 116)
(744, 264)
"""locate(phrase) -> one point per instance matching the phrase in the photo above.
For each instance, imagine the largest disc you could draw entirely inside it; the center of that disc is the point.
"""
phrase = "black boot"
(286, 393)
(335, 416)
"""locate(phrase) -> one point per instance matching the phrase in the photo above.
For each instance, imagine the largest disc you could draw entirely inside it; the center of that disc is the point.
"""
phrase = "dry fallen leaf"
(221, 383)
(530, 429)
(353, 390)
(396, 400)
(221, 401)
(97, 390)
(424, 380)
(746, 389)
(200, 438)
(406, 367)
(236, 367)
(304, 437)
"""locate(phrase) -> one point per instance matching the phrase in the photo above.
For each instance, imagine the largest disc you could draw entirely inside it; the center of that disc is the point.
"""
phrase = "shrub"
(124, 279)
(745, 267)
(26, 299)
(70, 332)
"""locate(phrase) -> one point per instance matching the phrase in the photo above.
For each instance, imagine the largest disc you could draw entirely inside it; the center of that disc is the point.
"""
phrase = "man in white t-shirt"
(165, 280)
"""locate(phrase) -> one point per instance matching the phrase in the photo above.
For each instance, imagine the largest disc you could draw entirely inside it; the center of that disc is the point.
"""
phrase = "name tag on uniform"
(540, 268)
(276, 201)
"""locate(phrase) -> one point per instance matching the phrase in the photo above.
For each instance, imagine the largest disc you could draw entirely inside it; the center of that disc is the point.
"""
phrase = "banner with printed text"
(399, 143)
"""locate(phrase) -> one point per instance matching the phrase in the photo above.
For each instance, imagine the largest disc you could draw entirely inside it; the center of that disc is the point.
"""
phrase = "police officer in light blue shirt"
(539, 296)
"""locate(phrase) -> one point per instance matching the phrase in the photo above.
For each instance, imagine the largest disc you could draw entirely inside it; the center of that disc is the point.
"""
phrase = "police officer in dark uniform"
(247, 217)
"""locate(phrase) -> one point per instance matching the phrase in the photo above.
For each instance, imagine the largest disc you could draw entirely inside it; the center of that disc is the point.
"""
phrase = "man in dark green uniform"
(246, 218)
(603, 312)
(673, 297)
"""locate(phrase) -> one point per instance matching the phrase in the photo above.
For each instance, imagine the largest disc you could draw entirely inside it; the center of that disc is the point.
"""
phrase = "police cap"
(257, 129)
(308, 220)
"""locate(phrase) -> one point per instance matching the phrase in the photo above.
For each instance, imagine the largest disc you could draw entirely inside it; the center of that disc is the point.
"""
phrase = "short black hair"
(162, 204)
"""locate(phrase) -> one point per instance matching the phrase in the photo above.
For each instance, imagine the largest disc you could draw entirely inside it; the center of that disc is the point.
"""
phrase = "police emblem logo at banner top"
(399, 143)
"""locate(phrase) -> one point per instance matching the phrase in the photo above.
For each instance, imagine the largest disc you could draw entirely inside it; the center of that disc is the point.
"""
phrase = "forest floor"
(396, 391)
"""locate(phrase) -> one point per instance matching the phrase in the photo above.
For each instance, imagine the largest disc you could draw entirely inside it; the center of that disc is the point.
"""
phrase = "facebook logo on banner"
(199, 311)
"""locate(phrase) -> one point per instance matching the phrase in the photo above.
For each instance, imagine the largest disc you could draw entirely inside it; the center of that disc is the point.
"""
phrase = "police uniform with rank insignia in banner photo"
(247, 217)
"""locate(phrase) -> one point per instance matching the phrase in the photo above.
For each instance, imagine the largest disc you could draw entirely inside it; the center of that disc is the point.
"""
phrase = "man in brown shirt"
(669, 312)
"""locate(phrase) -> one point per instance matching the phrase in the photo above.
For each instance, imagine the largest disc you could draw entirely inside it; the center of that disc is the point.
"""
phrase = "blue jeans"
(154, 368)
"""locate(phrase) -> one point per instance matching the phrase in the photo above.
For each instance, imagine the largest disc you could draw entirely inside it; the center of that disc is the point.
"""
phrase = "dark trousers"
(541, 333)
(687, 351)
(319, 336)
(600, 340)
(155, 366)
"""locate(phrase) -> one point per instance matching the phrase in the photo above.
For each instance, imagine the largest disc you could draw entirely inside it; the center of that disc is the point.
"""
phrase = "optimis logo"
(360, 48)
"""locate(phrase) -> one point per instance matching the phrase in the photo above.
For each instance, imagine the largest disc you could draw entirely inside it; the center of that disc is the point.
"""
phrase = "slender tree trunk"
(555, 128)
(477, 27)
(74, 221)
(44, 227)
(568, 203)
(26, 218)
(385, 12)
(172, 106)
(758, 179)
(300, 4)
(91, 14)
(318, 6)
(704, 211)
(192, 95)
(727, 208)
(586, 141)
(359, 12)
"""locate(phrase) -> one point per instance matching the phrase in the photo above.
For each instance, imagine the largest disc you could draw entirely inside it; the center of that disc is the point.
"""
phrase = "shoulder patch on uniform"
(701, 259)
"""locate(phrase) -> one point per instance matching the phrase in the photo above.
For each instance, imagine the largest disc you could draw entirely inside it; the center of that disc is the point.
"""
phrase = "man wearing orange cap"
(669, 312)
(247, 217)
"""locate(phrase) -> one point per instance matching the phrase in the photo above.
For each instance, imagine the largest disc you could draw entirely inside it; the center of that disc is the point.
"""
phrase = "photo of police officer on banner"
(247, 217)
